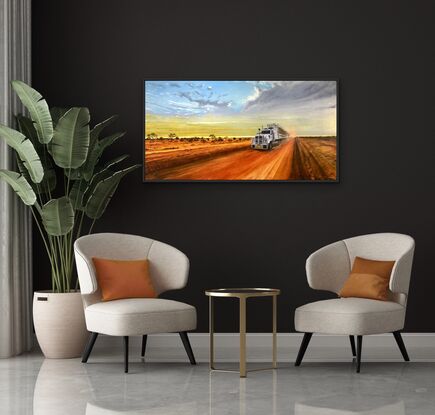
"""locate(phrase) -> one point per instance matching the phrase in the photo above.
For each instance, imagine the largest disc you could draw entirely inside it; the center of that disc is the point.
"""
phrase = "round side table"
(242, 294)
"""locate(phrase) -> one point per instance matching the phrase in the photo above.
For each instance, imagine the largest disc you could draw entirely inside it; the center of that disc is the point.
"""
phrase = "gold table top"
(242, 292)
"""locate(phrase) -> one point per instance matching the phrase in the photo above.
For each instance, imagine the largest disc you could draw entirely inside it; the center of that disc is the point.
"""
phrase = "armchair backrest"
(169, 267)
(328, 268)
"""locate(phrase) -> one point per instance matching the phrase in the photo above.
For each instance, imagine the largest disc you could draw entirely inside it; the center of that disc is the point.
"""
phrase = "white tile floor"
(30, 384)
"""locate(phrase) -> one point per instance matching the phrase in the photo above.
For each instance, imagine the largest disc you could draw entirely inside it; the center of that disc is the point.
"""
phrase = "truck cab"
(269, 137)
(263, 140)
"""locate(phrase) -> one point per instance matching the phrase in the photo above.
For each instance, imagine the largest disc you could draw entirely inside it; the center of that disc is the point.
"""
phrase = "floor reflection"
(215, 393)
(66, 387)
(62, 386)
(69, 387)
(351, 405)
(176, 409)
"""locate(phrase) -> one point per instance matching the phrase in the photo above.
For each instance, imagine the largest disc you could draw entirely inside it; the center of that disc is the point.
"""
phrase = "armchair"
(328, 268)
(169, 269)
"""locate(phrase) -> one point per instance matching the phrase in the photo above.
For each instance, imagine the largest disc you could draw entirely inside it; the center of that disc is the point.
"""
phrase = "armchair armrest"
(328, 267)
(401, 273)
(85, 272)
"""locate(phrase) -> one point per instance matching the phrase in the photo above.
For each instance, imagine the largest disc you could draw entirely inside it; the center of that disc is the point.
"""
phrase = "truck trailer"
(268, 138)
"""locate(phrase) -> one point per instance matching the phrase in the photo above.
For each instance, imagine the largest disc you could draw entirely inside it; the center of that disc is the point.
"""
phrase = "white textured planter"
(59, 324)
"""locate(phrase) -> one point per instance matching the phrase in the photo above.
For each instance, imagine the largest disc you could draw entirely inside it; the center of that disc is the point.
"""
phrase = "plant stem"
(59, 240)
(45, 163)
(91, 227)
(49, 253)
(67, 254)
(78, 233)
(55, 274)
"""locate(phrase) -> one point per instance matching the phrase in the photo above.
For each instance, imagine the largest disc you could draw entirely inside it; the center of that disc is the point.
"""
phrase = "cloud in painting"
(254, 96)
(205, 101)
(291, 95)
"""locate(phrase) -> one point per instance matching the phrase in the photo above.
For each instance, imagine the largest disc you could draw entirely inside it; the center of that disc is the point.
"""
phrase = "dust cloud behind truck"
(269, 137)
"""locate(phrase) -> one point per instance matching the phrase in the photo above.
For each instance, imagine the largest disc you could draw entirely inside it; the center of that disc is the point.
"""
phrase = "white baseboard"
(323, 348)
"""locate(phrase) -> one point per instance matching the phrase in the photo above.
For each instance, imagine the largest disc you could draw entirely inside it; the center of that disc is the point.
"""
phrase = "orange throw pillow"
(368, 279)
(365, 286)
(371, 266)
(123, 279)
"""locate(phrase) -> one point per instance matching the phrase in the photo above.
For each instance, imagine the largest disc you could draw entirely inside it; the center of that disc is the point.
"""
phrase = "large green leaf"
(58, 216)
(108, 141)
(103, 192)
(70, 143)
(96, 131)
(114, 161)
(26, 127)
(20, 185)
(49, 181)
(23, 171)
(25, 150)
(38, 110)
(104, 173)
(76, 194)
(96, 149)
(96, 178)
(73, 174)
(87, 169)
(56, 114)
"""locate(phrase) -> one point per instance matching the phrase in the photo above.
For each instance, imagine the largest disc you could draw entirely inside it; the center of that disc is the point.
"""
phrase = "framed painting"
(241, 130)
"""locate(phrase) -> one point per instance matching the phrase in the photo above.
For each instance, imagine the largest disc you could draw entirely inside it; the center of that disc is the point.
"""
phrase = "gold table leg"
(242, 328)
(274, 332)
(211, 330)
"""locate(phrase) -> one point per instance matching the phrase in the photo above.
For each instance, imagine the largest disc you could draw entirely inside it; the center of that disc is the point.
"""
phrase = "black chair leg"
(352, 345)
(144, 344)
(303, 348)
(358, 353)
(89, 347)
(187, 347)
(125, 354)
(401, 345)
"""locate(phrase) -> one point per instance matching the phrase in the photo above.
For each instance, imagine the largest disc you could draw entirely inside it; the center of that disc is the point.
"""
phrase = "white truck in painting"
(269, 137)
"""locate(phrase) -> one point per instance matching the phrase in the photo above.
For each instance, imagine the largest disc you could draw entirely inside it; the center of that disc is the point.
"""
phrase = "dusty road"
(314, 159)
(246, 164)
(161, 155)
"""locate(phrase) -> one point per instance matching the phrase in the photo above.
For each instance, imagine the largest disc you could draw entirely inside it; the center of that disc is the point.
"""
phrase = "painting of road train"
(240, 130)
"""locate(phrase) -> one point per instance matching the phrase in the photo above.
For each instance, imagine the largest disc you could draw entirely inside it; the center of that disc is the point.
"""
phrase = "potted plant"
(67, 188)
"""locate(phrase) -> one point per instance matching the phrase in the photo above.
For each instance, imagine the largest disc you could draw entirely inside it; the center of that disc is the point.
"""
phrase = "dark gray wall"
(96, 54)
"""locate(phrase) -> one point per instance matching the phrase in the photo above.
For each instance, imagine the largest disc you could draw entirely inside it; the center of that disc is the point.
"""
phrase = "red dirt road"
(314, 159)
(246, 164)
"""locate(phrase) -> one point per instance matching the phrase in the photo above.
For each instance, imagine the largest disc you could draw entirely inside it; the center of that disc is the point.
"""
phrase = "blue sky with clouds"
(195, 97)
(202, 97)
(306, 107)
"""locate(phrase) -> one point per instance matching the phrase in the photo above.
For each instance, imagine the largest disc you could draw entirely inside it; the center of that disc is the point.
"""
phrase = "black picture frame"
(268, 78)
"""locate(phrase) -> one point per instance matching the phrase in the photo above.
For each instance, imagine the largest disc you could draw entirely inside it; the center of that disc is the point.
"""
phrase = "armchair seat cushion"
(138, 316)
(357, 316)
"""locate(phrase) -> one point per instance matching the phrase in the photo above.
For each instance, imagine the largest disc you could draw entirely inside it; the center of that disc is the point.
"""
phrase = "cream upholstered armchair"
(328, 268)
(169, 269)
